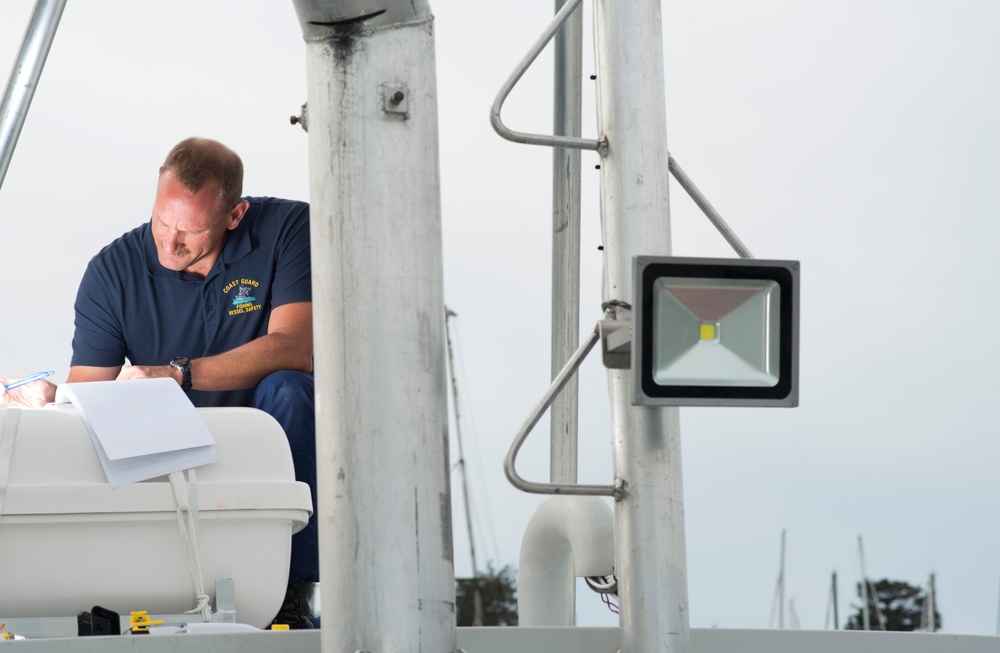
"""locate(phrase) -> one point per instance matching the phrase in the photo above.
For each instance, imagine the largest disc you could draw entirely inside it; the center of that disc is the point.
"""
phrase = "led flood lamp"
(715, 332)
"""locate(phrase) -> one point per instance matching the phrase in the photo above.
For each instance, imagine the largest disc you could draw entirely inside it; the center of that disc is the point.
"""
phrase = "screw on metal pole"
(301, 119)
(395, 101)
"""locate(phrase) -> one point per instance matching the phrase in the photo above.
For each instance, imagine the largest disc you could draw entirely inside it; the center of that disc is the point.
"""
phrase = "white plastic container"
(69, 542)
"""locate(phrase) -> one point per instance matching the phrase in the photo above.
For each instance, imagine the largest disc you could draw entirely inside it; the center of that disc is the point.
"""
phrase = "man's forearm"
(246, 365)
(238, 368)
(288, 345)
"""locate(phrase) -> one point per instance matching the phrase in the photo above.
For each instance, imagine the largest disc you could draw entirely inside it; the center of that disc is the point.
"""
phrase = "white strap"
(9, 417)
(187, 519)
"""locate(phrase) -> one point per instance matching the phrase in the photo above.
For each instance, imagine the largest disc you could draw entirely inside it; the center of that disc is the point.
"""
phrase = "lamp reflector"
(686, 312)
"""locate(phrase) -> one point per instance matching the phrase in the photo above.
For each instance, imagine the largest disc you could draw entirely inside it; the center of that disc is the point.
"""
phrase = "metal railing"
(25, 74)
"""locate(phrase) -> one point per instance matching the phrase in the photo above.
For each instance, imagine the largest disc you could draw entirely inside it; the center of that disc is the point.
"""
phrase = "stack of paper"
(142, 428)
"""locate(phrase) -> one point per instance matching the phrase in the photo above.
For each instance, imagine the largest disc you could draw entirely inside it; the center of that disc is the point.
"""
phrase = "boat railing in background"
(25, 74)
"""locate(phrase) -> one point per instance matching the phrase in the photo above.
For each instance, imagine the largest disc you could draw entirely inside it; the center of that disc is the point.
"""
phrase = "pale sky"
(860, 138)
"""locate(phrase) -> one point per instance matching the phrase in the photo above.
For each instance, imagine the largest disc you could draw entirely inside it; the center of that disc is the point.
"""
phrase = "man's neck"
(203, 268)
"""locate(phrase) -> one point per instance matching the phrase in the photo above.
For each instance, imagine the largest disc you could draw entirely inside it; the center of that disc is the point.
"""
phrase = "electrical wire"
(607, 587)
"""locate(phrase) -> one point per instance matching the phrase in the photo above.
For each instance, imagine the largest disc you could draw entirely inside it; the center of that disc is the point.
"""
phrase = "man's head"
(197, 203)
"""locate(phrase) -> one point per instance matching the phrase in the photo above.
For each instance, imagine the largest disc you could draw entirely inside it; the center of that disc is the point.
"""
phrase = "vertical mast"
(477, 599)
(458, 437)
(929, 602)
(567, 121)
(566, 243)
(865, 615)
(833, 589)
(652, 563)
(381, 390)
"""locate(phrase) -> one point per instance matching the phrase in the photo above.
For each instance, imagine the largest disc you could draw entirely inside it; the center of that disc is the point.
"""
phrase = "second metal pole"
(651, 558)
(566, 244)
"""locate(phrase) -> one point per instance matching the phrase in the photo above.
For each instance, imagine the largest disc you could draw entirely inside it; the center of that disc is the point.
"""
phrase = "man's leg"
(287, 396)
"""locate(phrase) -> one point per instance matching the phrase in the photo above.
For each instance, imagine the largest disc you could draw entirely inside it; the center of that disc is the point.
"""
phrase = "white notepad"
(142, 428)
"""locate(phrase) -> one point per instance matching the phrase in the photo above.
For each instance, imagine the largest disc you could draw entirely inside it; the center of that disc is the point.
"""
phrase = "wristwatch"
(184, 365)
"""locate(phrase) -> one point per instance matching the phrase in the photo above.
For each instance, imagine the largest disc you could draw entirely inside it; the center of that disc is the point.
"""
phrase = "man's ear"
(236, 215)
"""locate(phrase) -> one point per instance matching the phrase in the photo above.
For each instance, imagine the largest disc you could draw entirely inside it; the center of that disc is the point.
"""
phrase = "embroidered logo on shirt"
(243, 300)
(243, 296)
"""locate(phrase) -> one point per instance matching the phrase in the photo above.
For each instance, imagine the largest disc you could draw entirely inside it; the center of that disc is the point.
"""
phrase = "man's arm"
(83, 374)
(288, 345)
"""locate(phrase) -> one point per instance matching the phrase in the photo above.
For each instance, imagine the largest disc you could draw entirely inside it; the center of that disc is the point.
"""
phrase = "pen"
(28, 379)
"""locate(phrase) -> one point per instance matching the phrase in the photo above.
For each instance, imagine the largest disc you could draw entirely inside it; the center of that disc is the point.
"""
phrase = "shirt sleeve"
(293, 273)
(98, 338)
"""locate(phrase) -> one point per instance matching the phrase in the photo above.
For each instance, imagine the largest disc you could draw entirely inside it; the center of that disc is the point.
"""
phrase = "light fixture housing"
(715, 332)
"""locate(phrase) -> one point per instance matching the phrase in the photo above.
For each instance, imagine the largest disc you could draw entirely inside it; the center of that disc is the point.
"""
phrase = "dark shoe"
(295, 610)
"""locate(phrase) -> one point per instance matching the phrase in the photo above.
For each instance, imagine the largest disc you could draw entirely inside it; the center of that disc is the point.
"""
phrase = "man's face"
(189, 229)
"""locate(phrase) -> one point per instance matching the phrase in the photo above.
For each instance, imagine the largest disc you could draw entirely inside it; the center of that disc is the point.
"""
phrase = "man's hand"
(31, 395)
(149, 372)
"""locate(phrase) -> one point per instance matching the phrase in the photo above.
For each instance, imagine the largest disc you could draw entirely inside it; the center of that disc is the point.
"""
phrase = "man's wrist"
(183, 364)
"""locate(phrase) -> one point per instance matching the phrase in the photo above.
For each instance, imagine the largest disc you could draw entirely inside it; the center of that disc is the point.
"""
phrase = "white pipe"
(378, 307)
(567, 538)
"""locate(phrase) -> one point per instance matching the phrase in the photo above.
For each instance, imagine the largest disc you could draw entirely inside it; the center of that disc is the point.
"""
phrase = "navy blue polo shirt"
(130, 306)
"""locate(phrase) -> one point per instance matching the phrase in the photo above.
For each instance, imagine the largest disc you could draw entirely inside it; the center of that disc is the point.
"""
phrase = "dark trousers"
(288, 397)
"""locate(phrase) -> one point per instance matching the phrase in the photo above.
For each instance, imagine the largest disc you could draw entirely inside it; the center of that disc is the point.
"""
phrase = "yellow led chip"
(707, 331)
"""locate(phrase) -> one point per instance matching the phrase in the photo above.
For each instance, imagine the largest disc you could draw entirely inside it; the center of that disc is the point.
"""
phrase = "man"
(214, 292)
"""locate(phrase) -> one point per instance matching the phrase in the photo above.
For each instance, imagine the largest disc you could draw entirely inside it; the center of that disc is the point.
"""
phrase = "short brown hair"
(199, 161)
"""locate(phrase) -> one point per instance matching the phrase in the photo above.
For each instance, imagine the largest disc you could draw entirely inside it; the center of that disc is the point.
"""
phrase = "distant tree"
(498, 591)
(901, 605)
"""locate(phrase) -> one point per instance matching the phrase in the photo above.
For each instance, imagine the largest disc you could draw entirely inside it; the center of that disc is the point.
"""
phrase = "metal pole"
(458, 436)
(567, 121)
(25, 74)
(652, 563)
(836, 615)
(865, 615)
(378, 307)
(931, 626)
(477, 607)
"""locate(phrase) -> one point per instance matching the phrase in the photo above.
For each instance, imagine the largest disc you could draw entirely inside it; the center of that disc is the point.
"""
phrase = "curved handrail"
(601, 145)
(557, 385)
(540, 139)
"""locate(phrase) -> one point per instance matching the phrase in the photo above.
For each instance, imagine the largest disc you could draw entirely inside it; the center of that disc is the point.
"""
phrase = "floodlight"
(715, 332)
